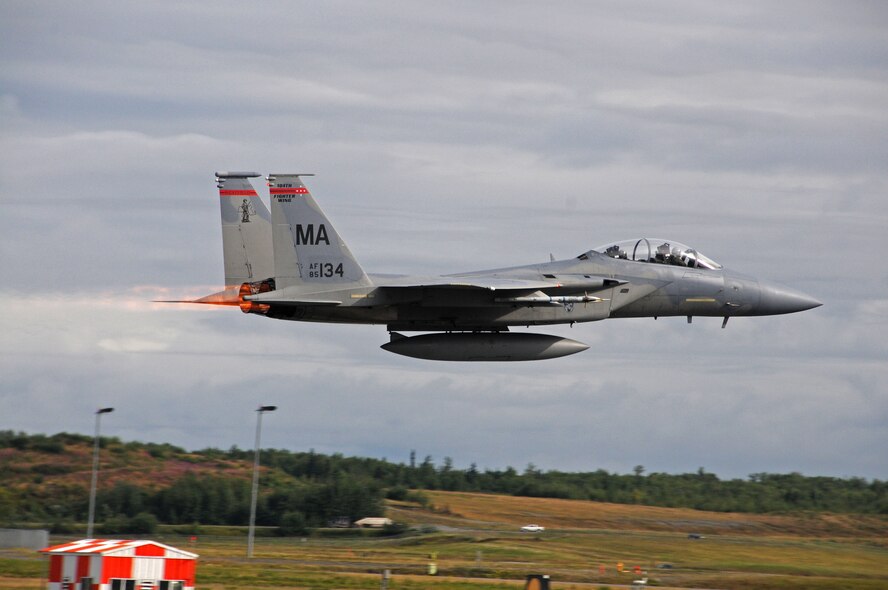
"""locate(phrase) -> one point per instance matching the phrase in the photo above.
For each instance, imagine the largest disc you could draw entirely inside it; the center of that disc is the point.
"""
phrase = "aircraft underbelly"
(500, 316)
(423, 317)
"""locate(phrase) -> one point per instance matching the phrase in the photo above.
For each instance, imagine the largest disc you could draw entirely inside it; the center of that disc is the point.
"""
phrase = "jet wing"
(400, 286)
(485, 283)
(403, 289)
(493, 282)
(503, 289)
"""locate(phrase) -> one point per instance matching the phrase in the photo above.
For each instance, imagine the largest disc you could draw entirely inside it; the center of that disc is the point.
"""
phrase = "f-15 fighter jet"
(292, 264)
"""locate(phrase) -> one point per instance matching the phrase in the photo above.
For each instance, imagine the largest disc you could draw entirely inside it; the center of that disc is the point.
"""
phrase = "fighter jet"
(292, 264)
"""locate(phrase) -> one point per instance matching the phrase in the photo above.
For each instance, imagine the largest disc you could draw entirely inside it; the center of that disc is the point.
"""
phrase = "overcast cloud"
(449, 137)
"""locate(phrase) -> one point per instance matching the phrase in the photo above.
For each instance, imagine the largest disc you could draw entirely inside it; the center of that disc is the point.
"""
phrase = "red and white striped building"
(99, 564)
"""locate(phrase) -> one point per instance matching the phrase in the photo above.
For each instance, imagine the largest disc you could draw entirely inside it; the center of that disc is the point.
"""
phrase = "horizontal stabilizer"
(237, 175)
(278, 299)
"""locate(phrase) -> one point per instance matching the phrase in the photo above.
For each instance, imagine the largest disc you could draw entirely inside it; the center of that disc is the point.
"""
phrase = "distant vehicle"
(374, 522)
(340, 522)
(533, 528)
(696, 536)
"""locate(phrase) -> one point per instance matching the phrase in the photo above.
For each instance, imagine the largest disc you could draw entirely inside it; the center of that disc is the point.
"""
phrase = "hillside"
(475, 536)
(46, 479)
(149, 466)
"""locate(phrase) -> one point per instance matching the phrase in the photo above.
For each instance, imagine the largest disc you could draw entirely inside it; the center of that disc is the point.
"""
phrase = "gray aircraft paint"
(308, 251)
(246, 230)
(315, 277)
(488, 346)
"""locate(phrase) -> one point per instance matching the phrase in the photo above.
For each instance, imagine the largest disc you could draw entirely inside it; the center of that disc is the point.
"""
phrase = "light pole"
(252, 531)
(95, 474)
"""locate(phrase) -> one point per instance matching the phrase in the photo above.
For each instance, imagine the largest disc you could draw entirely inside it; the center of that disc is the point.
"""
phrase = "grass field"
(478, 546)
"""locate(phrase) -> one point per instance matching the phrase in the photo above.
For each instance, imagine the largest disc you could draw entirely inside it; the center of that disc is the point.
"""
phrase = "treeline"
(306, 489)
(292, 504)
(760, 493)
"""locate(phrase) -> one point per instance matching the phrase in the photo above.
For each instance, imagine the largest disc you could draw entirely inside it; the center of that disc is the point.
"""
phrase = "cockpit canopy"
(658, 252)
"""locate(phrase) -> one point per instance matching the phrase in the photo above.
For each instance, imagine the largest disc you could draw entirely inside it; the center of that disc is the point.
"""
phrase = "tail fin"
(246, 230)
(307, 249)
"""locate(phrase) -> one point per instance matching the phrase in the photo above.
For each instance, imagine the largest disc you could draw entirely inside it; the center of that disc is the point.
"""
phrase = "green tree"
(292, 523)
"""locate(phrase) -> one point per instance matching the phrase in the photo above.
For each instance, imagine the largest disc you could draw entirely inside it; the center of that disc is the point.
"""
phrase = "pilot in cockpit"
(616, 252)
(663, 252)
(679, 258)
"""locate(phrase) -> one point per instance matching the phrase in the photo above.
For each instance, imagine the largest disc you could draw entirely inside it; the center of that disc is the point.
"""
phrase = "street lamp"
(252, 531)
(95, 474)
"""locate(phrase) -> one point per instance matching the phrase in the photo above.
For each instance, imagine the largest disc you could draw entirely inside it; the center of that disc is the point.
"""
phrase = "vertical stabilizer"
(246, 230)
(307, 248)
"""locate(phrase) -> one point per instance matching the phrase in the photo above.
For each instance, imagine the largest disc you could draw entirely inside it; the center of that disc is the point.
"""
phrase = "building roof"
(119, 548)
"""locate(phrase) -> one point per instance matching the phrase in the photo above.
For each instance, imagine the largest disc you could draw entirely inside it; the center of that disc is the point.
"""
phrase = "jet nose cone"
(777, 299)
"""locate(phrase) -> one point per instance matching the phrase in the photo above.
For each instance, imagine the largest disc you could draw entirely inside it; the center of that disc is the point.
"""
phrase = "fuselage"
(637, 289)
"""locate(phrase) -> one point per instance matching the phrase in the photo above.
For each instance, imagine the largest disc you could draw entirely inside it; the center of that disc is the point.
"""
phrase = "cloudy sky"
(449, 137)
